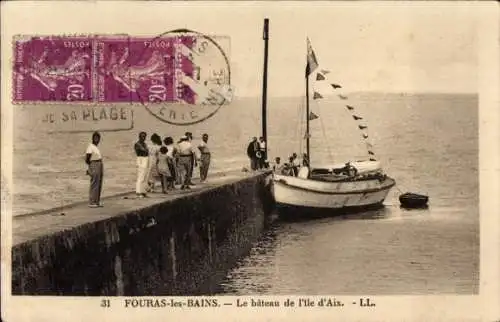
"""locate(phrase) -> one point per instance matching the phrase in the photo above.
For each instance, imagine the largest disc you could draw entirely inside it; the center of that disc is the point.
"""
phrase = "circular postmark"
(192, 77)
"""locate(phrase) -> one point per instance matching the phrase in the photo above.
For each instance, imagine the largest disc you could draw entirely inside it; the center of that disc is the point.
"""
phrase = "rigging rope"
(297, 125)
(320, 76)
(301, 130)
(330, 154)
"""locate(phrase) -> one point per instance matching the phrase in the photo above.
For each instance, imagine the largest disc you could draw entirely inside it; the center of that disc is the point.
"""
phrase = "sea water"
(427, 142)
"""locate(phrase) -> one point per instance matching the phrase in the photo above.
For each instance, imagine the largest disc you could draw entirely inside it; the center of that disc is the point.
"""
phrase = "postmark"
(181, 77)
(53, 69)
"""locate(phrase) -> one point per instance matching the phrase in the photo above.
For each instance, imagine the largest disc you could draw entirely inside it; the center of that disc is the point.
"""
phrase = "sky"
(383, 47)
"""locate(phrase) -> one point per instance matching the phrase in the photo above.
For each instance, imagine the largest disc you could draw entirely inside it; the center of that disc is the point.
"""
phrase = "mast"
(264, 83)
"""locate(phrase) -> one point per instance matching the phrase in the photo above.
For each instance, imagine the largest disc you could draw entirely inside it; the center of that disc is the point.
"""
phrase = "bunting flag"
(312, 62)
(317, 95)
(320, 77)
(312, 116)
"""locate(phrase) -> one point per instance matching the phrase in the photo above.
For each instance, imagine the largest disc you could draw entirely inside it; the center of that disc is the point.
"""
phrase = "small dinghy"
(413, 200)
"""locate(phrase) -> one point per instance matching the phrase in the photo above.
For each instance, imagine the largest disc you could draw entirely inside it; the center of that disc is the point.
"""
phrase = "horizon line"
(401, 93)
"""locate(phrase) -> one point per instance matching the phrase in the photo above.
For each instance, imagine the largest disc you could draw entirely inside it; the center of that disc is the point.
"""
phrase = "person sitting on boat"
(281, 168)
(290, 169)
(277, 164)
(350, 170)
(305, 160)
(295, 164)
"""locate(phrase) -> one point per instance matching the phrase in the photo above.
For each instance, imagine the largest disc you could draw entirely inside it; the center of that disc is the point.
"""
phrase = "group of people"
(164, 160)
(168, 162)
(290, 168)
(257, 153)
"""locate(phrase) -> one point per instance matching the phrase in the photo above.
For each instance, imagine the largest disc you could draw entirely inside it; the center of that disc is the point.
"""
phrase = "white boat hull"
(299, 192)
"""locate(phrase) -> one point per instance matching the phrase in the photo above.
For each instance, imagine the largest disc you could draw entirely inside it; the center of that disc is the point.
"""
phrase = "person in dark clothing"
(252, 149)
(293, 164)
(172, 161)
(142, 152)
(263, 155)
(305, 160)
(189, 135)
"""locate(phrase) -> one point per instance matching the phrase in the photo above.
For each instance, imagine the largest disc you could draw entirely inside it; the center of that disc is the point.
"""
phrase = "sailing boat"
(344, 187)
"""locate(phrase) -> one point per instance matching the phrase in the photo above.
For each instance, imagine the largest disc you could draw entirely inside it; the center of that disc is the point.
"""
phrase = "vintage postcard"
(250, 161)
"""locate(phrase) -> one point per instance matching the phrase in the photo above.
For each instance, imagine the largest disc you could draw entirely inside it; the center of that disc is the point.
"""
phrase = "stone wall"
(179, 247)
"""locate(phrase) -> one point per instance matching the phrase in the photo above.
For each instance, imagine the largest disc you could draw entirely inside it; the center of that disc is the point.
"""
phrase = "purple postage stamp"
(142, 70)
(53, 69)
(182, 77)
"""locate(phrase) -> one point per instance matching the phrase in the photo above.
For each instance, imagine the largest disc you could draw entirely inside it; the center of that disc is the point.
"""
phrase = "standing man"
(262, 149)
(185, 161)
(178, 169)
(204, 157)
(252, 149)
(93, 159)
(189, 136)
(142, 153)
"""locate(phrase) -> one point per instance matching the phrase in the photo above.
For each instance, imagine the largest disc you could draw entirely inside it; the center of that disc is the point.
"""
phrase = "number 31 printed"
(105, 303)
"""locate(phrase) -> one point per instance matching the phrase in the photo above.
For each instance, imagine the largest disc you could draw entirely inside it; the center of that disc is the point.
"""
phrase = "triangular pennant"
(371, 152)
(365, 136)
(335, 86)
(324, 71)
(356, 118)
(362, 127)
(320, 77)
(317, 95)
(342, 97)
(312, 116)
(349, 107)
(312, 62)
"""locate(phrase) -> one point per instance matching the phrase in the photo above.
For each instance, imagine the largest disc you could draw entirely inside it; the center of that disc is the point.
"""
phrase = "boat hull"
(346, 195)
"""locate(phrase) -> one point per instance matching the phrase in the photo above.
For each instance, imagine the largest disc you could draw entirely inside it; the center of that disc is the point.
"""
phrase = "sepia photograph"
(234, 156)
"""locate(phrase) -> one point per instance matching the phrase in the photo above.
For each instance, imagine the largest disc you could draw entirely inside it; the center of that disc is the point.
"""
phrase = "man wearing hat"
(185, 161)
